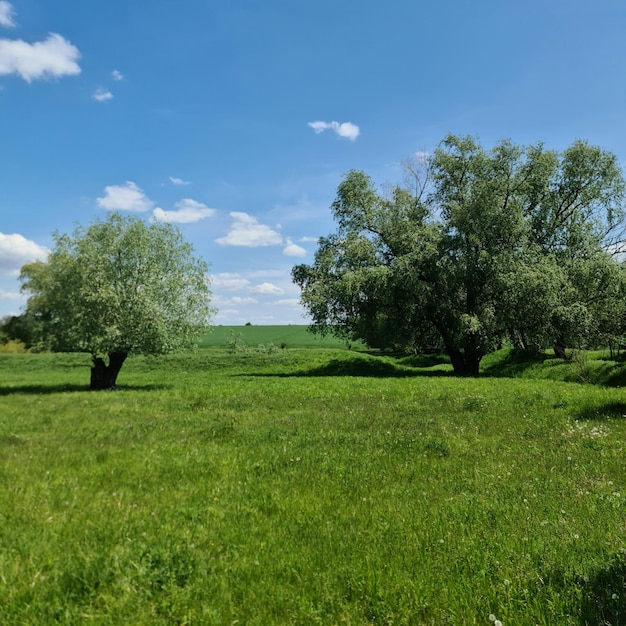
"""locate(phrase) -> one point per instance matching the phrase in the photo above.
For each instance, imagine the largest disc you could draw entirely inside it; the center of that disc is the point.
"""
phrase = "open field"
(290, 336)
(310, 486)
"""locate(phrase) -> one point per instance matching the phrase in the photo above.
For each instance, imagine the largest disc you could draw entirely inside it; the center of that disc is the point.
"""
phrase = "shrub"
(13, 346)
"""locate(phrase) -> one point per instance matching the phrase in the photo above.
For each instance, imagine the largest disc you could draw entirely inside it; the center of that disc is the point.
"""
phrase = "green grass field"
(289, 336)
(310, 486)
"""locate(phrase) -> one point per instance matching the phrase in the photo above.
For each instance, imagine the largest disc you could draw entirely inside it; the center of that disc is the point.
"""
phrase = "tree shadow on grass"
(599, 595)
(37, 390)
(423, 360)
(604, 595)
(610, 410)
(372, 367)
(616, 378)
(512, 363)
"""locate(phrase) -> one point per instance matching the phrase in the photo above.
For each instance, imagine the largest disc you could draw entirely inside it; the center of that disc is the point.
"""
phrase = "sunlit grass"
(310, 486)
(296, 335)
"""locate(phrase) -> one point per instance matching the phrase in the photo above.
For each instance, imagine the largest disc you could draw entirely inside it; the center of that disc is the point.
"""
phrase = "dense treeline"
(479, 247)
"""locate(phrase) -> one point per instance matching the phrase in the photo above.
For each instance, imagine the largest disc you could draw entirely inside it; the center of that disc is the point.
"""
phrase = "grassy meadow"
(311, 486)
(289, 336)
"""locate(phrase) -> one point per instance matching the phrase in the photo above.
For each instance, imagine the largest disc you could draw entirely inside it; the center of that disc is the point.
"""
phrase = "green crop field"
(311, 486)
(288, 336)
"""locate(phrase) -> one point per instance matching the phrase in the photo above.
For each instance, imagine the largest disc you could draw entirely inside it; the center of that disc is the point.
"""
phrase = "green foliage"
(18, 328)
(223, 487)
(237, 344)
(119, 286)
(512, 243)
(13, 346)
(583, 366)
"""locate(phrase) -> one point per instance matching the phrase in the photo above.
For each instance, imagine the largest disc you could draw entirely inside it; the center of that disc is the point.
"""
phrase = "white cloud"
(178, 181)
(188, 211)
(102, 95)
(11, 295)
(246, 231)
(229, 281)
(11, 302)
(268, 274)
(267, 289)
(240, 300)
(347, 130)
(54, 57)
(117, 75)
(309, 239)
(258, 296)
(292, 249)
(128, 197)
(15, 250)
(224, 302)
(318, 127)
(294, 302)
(7, 13)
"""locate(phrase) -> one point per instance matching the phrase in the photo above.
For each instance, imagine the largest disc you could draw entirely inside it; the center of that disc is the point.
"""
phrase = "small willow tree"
(116, 288)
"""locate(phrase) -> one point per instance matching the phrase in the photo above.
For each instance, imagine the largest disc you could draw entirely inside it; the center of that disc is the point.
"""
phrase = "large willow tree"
(482, 245)
(115, 288)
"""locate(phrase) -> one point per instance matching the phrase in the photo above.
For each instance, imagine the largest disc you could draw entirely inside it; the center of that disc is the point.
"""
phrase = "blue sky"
(236, 119)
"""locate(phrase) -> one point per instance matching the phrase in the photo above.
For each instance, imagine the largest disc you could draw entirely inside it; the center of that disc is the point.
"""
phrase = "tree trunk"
(519, 340)
(464, 363)
(467, 364)
(105, 376)
(559, 349)
(457, 360)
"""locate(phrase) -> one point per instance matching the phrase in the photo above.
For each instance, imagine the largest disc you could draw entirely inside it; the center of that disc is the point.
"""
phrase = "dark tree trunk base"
(105, 376)
(560, 348)
(465, 364)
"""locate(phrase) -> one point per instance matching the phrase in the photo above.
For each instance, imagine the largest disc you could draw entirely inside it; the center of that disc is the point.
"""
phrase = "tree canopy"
(118, 287)
(478, 246)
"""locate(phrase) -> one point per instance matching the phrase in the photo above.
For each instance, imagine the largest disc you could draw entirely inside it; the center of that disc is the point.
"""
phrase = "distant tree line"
(476, 248)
